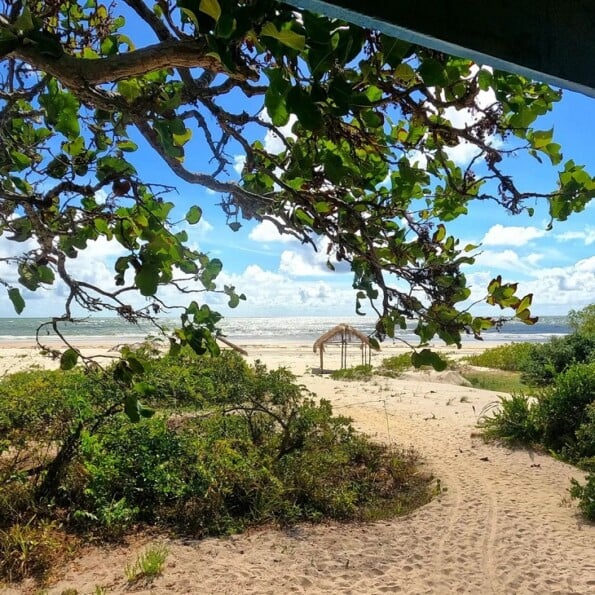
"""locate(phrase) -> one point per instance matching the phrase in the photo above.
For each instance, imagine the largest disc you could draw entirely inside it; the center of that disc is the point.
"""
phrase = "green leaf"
(525, 302)
(145, 412)
(24, 22)
(439, 234)
(147, 279)
(286, 36)
(127, 145)
(136, 366)
(212, 8)
(405, 73)
(425, 357)
(542, 138)
(17, 301)
(194, 214)
(484, 79)
(226, 25)
(432, 72)
(131, 408)
(68, 359)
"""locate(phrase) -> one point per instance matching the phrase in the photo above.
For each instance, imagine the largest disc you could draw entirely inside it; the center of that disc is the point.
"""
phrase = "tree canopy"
(366, 125)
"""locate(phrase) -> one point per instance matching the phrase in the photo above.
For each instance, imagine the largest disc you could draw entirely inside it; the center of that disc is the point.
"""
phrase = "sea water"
(260, 330)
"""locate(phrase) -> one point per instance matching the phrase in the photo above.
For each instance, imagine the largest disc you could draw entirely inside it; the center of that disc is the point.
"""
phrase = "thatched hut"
(344, 335)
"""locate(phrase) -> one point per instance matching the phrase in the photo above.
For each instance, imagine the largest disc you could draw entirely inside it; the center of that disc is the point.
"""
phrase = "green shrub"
(584, 448)
(191, 382)
(563, 408)
(395, 366)
(585, 495)
(508, 357)
(261, 452)
(29, 549)
(248, 446)
(545, 361)
(583, 321)
(514, 419)
(362, 372)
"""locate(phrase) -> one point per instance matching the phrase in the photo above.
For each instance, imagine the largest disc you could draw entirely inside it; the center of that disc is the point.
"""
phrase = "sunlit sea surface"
(263, 330)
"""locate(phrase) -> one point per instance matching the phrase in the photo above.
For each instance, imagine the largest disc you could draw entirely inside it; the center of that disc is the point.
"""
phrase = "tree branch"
(78, 72)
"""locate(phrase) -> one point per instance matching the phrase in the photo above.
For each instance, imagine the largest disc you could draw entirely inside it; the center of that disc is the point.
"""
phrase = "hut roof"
(339, 334)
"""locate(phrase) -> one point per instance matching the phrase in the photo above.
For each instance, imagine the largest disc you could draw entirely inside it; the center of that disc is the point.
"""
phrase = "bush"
(30, 550)
(583, 321)
(584, 448)
(395, 366)
(585, 495)
(563, 408)
(515, 420)
(509, 357)
(545, 361)
(248, 446)
(361, 372)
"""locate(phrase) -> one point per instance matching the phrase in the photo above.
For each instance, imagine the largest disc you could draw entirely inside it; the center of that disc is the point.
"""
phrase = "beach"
(502, 520)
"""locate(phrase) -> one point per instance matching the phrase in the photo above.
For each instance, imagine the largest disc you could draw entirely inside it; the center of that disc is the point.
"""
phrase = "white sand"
(503, 524)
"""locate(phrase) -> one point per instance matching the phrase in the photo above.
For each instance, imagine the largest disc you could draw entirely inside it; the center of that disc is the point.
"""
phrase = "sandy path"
(502, 524)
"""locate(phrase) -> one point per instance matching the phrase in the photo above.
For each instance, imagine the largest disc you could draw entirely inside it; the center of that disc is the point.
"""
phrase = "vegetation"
(546, 360)
(509, 357)
(366, 125)
(231, 446)
(148, 565)
(395, 366)
(361, 372)
(561, 415)
(582, 321)
(498, 381)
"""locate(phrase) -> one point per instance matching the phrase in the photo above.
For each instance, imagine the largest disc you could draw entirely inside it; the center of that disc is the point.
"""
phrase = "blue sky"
(280, 277)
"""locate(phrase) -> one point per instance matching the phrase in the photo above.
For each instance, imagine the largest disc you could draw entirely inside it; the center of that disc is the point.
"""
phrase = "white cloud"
(567, 286)
(272, 294)
(587, 236)
(266, 231)
(417, 158)
(304, 261)
(507, 260)
(238, 163)
(499, 235)
(272, 142)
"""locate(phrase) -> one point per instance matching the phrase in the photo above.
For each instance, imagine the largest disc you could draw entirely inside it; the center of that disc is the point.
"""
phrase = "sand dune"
(503, 522)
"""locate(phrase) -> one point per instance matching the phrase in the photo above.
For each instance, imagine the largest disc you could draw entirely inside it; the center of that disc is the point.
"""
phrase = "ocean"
(300, 329)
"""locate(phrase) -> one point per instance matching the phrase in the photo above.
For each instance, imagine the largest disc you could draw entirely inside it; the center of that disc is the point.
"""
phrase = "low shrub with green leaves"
(361, 372)
(564, 408)
(395, 366)
(585, 494)
(545, 361)
(514, 419)
(229, 446)
(561, 418)
(509, 357)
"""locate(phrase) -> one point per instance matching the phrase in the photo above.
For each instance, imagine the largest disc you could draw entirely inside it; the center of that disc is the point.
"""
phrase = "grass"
(497, 380)
(30, 549)
(395, 366)
(391, 367)
(148, 565)
(362, 372)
